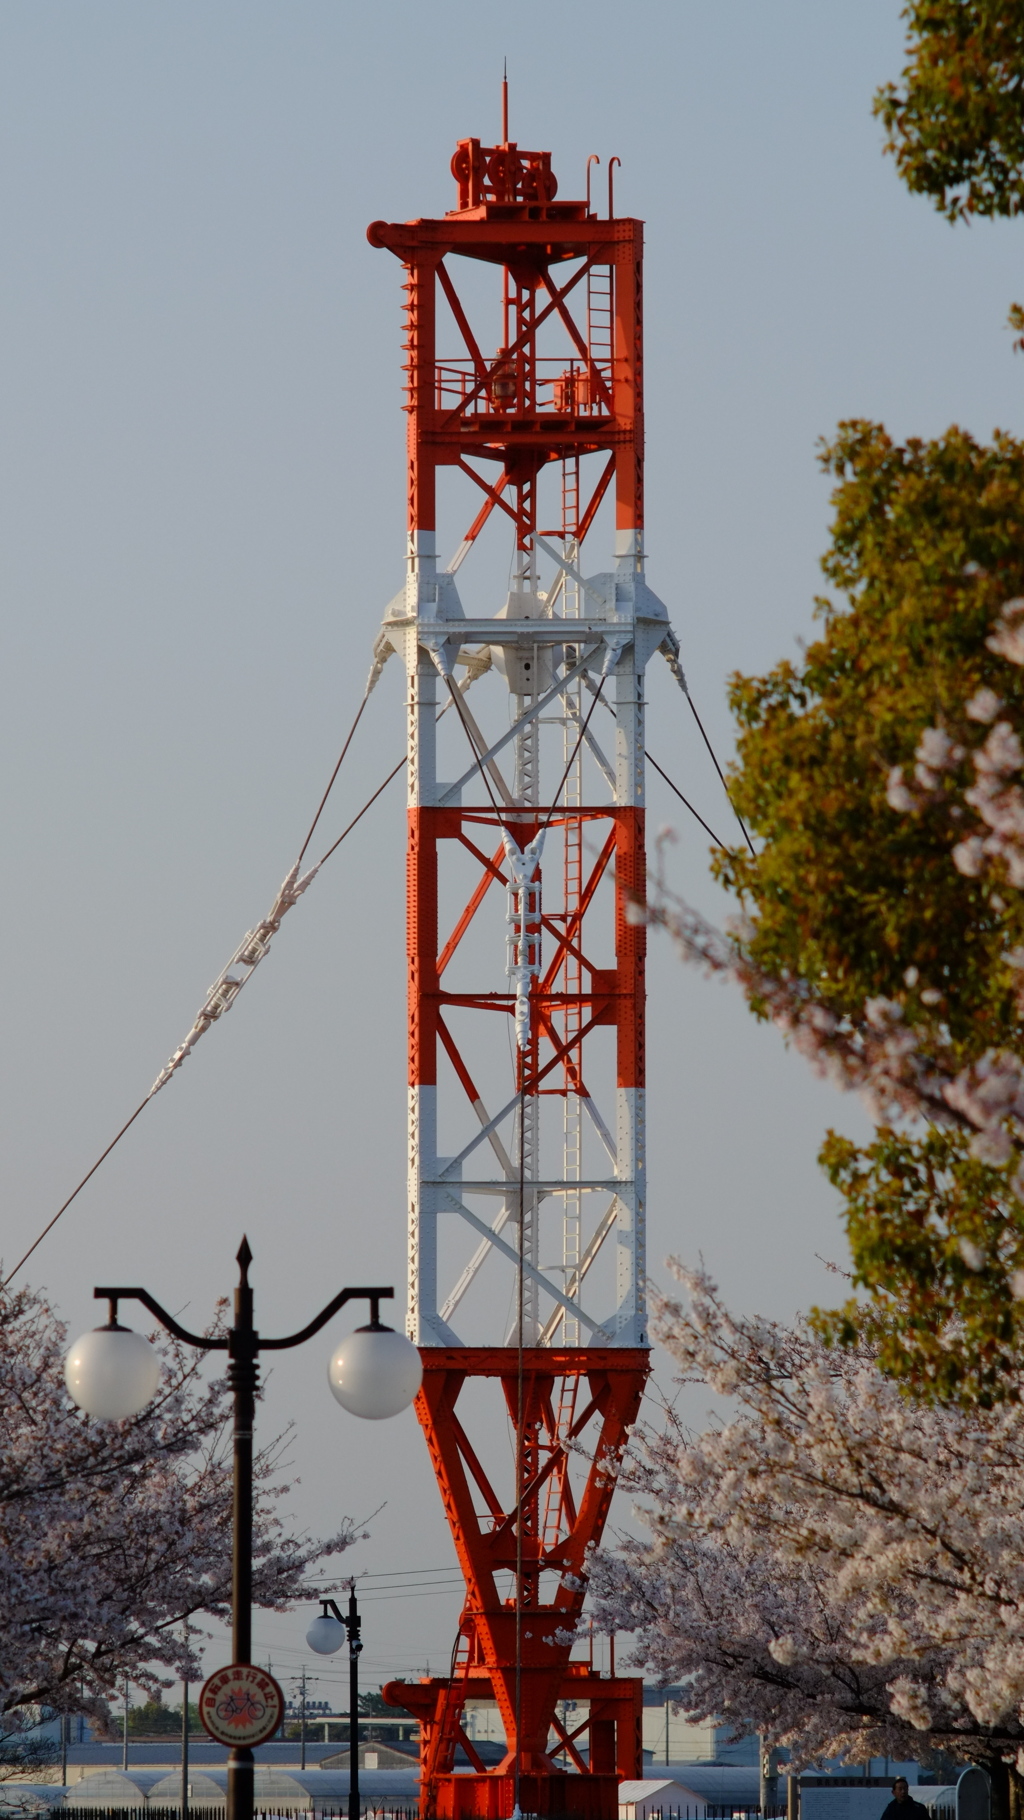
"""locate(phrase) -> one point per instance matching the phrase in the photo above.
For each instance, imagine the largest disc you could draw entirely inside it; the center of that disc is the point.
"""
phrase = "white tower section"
(541, 1167)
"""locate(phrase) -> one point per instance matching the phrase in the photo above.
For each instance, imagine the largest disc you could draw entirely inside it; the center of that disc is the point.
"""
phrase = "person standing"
(903, 1806)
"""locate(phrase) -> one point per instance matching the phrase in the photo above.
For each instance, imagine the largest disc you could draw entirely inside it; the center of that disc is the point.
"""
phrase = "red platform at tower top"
(575, 1378)
(518, 407)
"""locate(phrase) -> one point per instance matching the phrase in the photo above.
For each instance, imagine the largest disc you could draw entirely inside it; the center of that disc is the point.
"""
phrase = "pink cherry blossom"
(112, 1533)
(833, 1565)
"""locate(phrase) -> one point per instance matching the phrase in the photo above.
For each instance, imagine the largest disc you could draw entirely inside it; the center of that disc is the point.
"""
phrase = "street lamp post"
(326, 1635)
(184, 1733)
(355, 1644)
(112, 1373)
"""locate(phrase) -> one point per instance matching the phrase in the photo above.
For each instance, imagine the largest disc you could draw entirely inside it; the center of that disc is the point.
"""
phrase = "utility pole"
(64, 1750)
(302, 1719)
(124, 1752)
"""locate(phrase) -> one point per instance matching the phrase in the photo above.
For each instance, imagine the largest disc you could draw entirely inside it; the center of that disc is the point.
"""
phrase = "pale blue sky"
(202, 506)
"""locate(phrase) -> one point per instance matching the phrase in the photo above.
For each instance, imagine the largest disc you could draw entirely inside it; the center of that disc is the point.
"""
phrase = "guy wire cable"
(684, 800)
(649, 756)
(334, 773)
(573, 755)
(721, 775)
(162, 1079)
(456, 696)
(482, 768)
(86, 1178)
(201, 1025)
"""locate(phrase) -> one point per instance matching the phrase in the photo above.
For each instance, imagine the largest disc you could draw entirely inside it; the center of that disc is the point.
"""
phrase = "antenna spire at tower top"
(504, 102)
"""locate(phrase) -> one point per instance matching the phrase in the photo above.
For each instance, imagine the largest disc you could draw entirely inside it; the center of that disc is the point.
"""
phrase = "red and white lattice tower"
(526, 955)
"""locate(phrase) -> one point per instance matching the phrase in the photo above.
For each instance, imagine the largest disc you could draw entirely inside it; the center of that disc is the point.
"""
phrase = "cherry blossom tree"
(113, 1534)
(836, 1566)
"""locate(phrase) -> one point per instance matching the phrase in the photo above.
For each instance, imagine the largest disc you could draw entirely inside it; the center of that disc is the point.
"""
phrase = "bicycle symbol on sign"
(240, 1707)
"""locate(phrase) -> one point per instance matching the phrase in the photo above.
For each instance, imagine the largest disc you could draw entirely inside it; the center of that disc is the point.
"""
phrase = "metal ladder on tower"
(558, 1514)
(553, 1522)
(601, 322)
(572, 1130)
(449, 1733)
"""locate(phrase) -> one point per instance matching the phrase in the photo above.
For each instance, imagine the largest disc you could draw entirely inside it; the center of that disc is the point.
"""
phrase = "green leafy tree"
(153, 1719)
(374, 1706)
(927, 544)
(956, 123)
(883, 913)
(883, 925)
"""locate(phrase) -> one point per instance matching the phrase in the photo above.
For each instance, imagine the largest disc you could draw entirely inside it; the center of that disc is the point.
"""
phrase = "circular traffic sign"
(241, 1705)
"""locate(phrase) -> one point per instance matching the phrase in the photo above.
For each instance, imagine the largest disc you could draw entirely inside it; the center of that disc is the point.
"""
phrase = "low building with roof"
(659, 1798)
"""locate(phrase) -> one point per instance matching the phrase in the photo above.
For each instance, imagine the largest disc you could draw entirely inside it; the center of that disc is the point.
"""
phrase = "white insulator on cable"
(669, 649)
(523, 913)
(251, 950)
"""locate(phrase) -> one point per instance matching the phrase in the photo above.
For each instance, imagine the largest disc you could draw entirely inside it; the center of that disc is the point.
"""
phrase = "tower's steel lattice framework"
(548, 812)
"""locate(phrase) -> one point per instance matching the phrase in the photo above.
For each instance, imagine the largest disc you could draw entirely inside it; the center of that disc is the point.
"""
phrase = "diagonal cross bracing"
(453, 793)
(494, 1239)
(521, 342)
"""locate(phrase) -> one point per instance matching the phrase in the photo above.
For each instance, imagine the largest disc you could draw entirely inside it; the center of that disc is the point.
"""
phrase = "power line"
(402, 1573)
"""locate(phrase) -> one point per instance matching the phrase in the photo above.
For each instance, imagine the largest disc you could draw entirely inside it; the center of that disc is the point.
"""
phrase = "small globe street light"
(113, 1372)
(326, 1635)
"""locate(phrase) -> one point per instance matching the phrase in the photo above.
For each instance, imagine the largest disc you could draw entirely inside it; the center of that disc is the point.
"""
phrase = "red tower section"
(502, 419)
(517, 407)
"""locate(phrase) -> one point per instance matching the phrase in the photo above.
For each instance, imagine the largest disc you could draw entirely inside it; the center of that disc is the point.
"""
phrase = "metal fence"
(93, 1811)
(369, 1809)
(730, 1810)
(733, 1810)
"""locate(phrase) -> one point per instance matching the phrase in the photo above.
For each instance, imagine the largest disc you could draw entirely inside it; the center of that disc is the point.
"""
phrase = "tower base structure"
(612, 1734)
(523, 1558)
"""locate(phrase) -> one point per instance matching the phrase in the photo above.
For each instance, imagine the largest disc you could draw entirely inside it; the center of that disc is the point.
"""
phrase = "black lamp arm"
(373, 1296)
(221, 1342)
(351, 1622)
(205, 1342)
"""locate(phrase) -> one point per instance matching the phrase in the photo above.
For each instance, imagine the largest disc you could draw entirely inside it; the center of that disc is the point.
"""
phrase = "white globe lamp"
(375, 1372)
(325, 1635)
(112, 1372)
